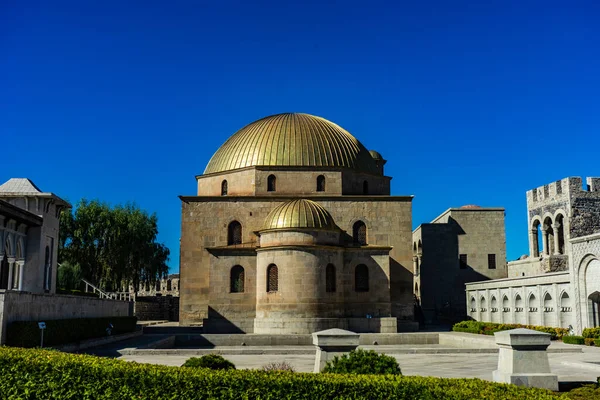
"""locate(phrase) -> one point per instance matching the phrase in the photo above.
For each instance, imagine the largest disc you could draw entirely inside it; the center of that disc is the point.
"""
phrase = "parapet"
(562, 188)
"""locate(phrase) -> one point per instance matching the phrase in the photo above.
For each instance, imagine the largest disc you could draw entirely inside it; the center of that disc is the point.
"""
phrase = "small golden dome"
(299, 213)
(375, 155)
(292, 139)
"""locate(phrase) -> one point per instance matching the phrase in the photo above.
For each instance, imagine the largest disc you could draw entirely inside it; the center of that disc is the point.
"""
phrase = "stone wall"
(154, 308)
(18, 306)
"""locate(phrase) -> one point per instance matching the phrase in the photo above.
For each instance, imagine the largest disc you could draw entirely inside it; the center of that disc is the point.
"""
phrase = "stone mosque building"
(293, 230)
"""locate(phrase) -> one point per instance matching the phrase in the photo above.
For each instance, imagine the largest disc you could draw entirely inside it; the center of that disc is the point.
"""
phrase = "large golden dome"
(299, 213)
(299, 140)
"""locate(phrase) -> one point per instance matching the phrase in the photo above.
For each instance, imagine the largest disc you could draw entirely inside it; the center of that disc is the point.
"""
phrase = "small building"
(558, 283)
(464, 244)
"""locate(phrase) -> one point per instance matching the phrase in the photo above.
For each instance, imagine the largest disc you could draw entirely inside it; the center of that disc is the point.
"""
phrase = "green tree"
(69, 276)
(114, 246)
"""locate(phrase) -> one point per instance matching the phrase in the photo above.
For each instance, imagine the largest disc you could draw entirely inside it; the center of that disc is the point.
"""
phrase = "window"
(365, 187)
(320, 183)
(234, 233)
(330, 278)
(47, 270)
(361, 278)
(272, 278)
(463, 261)
(236, 279)
(224, 188)
(271, 183)
(359, 232)
(491, 261)
(158, 286)
(169, 285)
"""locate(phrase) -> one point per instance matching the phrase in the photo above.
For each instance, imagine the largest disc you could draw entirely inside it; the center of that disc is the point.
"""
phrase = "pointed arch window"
(236, 279)
(359, 232)
(224, 188)
(320, 183)
(272, 278)
(361, 278)
(330, 278)
(234, 233)
(271, 183)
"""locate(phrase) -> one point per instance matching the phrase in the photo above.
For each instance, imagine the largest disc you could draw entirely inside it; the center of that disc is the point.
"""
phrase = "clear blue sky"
(470, 103)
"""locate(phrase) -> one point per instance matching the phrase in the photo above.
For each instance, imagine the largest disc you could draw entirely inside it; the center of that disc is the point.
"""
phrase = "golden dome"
(299, 140)
(299, 213)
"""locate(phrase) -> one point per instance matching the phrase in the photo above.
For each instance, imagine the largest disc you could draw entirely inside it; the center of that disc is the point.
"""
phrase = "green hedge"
(591, 333)
(489, 328)
(43, 374)
(210, 361)
(361, 361)
(63, 331)
(573, 339)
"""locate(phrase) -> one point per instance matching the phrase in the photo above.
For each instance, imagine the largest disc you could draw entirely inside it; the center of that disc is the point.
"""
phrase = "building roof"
(292, 139)
(300, 213)
(23, 187)
(19, 185)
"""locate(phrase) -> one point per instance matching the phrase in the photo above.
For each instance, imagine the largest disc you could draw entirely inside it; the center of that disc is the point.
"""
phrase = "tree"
(114, 246)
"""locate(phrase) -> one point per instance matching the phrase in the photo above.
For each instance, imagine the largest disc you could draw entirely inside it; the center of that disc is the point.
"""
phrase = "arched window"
(320, 183)
(158, 286)
(224, 188)
(560, 232)
(330, 278)
(236, 279)
(549, 232)
(505, 304)
(365, 187)
(417, 289)
(473, 304)
(234, 233)
(359, 232)
(272, 278)
(536, 233)
(169, 285)
(361, 278)
(271, 183)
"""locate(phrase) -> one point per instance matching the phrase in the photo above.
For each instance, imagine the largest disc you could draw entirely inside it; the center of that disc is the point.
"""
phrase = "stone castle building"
(465, 244)
(293, 230)
(558, 284)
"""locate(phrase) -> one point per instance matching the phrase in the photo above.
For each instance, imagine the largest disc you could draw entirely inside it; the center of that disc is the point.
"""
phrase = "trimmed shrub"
(589, 341)
(43, 374)
(597, 344)
(593, 333)
(63, 331)
(278, 366)
(210, 361)
(363, 362)
(573, 339)
(489, 328)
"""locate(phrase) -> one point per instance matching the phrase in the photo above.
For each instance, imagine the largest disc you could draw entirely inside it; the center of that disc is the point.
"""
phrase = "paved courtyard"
(569, 366)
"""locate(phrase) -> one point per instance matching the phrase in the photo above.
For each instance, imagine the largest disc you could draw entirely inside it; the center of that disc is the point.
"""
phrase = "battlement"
(562, 189)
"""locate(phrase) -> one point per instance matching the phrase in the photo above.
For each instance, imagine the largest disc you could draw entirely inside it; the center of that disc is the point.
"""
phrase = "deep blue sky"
(470, 103)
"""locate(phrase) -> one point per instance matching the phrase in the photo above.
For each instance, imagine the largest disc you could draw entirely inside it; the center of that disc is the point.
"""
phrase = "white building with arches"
(558, 284)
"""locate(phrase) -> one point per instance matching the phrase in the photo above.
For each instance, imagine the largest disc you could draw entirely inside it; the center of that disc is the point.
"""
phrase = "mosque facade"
(293, 230)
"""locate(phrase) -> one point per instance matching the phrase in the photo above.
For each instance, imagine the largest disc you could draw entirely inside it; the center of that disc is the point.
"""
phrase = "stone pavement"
(569, 367)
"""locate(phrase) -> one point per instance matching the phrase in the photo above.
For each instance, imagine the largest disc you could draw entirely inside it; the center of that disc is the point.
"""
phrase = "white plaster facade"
(558, 284)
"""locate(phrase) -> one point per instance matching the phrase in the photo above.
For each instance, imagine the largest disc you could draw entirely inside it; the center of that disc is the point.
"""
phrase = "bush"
(210, 361)
(63, 331)
(593, 333)
(489, 328)
(43, 374)
(278, 366)
(573, 339)
(597, 343)
(588, 341)
(363, 362)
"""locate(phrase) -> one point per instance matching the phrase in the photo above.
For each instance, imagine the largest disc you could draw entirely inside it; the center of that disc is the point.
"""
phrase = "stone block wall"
(157, 308)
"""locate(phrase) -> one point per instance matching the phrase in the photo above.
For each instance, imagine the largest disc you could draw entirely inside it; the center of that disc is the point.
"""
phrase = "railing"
(473, 310)
(482, 309)
(565, 309)
(505, 309)
(494, 309)
(123, 296)
(548, 309)
(518, 309)
(533, 309)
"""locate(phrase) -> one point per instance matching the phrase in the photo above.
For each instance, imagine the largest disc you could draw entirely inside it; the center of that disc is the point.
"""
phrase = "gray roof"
(19, 185)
